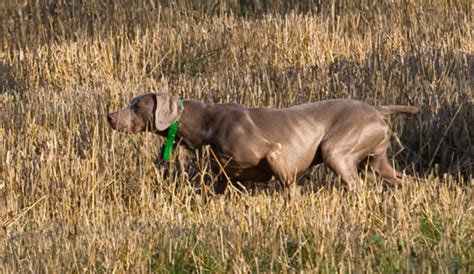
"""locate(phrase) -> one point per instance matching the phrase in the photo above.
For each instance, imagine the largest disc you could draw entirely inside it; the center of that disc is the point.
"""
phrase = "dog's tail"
(387, 110)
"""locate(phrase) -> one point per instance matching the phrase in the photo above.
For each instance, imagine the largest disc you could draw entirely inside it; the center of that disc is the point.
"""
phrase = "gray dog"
(255, 144)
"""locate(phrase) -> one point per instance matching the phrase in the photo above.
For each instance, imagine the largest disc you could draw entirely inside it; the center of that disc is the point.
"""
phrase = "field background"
(76, 196)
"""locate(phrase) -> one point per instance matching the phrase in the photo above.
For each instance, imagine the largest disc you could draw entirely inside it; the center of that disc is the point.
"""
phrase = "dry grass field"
(76, 196)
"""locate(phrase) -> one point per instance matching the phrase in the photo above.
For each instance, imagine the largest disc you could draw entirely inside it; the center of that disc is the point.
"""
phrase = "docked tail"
(387, 110)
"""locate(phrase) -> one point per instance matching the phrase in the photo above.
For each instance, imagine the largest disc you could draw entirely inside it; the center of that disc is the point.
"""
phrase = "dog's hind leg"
(382, 167)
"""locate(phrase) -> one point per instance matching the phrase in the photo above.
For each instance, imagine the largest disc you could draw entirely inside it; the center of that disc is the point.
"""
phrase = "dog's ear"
(168, 110)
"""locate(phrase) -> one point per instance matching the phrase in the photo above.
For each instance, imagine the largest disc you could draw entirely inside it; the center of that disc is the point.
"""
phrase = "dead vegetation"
(75, 196)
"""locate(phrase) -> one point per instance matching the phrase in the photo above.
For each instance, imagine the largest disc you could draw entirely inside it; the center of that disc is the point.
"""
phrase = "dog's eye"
(134, 106)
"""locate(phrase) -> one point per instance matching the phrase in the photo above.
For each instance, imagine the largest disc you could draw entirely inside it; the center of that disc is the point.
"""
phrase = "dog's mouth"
(116, 125)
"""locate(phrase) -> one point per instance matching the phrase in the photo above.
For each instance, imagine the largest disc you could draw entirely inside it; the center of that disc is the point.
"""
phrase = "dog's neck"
(193, 124)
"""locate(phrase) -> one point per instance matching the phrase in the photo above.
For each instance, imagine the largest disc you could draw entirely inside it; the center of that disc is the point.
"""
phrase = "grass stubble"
(76, 196)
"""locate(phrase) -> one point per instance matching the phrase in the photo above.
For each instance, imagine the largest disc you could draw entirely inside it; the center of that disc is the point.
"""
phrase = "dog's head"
(149, 111)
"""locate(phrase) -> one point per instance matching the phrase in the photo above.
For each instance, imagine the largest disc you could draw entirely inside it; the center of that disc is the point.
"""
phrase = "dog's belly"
(301, 153)
(297, 159)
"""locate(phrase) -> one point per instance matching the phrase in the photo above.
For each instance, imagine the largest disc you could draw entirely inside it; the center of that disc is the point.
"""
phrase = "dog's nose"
(111, 119)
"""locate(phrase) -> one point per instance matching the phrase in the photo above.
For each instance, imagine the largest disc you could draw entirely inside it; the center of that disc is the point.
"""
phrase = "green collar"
(170, 138)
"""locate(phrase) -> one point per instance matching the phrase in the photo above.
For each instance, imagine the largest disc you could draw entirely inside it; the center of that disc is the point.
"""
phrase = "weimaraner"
(254, 144)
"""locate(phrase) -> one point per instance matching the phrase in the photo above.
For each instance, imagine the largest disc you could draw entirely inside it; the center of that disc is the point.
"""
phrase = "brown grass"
(75, 196)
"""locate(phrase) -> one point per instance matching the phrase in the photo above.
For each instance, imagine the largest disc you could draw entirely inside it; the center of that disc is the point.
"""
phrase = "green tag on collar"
(170, 138)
